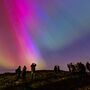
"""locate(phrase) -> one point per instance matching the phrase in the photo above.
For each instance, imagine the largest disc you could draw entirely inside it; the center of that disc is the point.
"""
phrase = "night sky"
(47, 32)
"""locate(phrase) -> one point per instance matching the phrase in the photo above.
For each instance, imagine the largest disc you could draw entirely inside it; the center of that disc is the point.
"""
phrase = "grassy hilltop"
(45, 80)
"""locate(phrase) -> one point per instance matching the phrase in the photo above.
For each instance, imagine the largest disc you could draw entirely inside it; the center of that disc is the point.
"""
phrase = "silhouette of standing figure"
(88, 66)
(55, 69)
(24, 72)
(33, 69)
(58, 68)
(18, 72)
(68, 65)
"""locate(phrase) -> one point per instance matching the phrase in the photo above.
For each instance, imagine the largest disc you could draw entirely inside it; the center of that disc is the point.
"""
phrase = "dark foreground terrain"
(45, 80)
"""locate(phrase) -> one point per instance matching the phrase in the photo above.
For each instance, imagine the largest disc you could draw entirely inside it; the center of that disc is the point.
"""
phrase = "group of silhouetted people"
(56, 68)
(79, 68)
(21, 74)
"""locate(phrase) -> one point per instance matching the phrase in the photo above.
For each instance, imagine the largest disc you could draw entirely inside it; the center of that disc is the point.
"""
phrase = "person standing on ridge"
(18, 73)
(33, 69)
(24, 72)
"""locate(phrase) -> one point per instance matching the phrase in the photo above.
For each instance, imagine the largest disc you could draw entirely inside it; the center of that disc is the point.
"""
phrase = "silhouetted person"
(77, 67)
(68, 65)
(88, 66)
(24, 72)
(82, 70)
(55, 69)
(18, 72)
(58, 68)
(33, 69)
(71, 67)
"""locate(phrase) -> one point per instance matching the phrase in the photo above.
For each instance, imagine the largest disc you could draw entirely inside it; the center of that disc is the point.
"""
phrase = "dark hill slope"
(45, 80)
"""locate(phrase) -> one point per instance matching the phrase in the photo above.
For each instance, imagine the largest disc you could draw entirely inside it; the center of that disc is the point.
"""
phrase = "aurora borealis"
(46, 32)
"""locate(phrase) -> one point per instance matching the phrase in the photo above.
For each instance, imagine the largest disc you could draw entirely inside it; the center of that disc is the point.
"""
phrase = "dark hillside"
(45, 80)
